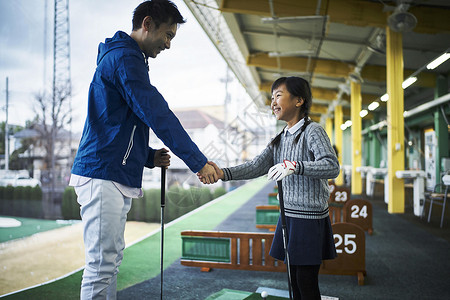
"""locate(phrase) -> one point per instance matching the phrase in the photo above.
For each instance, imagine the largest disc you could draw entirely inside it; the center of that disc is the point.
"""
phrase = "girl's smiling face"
(285, 106)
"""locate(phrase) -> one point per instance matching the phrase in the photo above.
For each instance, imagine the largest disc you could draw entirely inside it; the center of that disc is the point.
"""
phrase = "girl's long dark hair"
(297, 87)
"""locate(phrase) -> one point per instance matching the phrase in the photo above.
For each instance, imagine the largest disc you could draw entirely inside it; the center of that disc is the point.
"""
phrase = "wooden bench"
(229, 250)
(267, 216)
(250, 251)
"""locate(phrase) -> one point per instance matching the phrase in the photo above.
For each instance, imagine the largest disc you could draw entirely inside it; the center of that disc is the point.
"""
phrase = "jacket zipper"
(130, 146)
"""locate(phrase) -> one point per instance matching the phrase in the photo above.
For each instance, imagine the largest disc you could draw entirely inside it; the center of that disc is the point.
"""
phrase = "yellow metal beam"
(355, 88)
(299, 64)
(338, 120)
(358, 13)
(282, 8)
(378, 74)
(350, 12)
(395, 129)
(319, 109)
(331, 68)
(324, 94)
(317, 93)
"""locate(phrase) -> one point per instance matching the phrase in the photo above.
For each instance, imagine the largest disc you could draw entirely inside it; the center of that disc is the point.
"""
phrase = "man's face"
(158, 39)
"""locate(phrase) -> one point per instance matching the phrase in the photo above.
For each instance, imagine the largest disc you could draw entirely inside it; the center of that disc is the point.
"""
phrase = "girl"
(302, 157)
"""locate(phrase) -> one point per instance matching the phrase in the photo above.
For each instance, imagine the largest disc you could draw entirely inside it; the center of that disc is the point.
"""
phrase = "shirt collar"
(294, 128)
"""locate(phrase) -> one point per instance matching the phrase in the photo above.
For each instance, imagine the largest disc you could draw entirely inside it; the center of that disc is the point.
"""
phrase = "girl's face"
(285, 106)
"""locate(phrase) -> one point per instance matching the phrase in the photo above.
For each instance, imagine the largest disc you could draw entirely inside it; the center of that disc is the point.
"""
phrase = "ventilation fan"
(401, 20)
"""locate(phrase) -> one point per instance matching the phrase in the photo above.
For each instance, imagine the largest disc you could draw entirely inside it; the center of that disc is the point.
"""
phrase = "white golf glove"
(281, 170)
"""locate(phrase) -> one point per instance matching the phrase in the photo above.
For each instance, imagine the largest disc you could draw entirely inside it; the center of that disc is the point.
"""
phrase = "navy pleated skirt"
(309, 241)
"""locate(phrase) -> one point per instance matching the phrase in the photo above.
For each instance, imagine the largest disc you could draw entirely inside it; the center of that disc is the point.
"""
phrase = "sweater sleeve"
(323, 162)
(257, 167)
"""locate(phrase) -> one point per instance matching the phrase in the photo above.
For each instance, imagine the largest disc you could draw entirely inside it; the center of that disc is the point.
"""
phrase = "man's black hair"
(161, 11)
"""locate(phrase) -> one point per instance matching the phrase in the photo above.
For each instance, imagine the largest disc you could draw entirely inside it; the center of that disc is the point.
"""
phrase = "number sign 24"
(359, 212)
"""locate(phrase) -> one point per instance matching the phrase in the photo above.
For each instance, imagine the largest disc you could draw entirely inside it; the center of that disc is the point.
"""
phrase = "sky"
(189, 74)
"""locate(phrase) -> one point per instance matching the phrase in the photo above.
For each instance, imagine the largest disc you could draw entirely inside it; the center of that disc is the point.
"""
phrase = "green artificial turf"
(28, 227)
(142, 260)
(227, 294)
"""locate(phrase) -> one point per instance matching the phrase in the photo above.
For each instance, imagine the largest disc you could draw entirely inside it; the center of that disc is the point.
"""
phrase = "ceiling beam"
(331, 68)
(350, 12)
(345, 40)
(299, 64)
(324, 94)
(319, 109)
(282, 8)
(317, 93)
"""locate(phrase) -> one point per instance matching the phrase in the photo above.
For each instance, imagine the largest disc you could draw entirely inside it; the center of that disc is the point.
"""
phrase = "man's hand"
(208, 174)
(281, 170)
(219, 173)
(162, 158)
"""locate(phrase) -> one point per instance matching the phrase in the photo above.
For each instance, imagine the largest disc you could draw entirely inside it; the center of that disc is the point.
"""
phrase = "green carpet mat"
(227, 294)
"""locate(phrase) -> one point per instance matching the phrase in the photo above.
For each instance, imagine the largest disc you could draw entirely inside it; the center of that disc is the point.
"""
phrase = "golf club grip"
(163, 186)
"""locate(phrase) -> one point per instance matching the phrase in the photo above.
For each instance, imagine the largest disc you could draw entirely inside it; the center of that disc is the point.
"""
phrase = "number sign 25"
(350, 246)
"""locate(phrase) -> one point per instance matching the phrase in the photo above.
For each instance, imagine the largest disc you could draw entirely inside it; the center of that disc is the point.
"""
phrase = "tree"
(52, 114)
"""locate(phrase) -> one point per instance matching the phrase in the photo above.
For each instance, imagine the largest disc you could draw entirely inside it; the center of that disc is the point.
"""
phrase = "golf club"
(163, 204)
(285, 236)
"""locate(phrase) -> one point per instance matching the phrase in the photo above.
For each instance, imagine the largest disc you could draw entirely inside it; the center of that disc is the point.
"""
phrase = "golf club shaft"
(285, 235)
(163, 204)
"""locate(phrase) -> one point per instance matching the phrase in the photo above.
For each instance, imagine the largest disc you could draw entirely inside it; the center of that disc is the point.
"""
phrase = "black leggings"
(305, 282)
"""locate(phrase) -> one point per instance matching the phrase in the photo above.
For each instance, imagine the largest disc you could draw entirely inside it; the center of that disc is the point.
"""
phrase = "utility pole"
(7, 129)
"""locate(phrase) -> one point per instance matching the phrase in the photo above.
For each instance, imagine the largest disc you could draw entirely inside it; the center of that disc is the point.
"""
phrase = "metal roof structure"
(329, 43)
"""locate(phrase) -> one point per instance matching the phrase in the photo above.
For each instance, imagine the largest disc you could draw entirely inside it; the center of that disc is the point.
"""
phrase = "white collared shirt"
(294, 128)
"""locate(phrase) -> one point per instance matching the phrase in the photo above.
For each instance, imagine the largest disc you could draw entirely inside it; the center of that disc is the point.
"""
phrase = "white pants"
(104, 213)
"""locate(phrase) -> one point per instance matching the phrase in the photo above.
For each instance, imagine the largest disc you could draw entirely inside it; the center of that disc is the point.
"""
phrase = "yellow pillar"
(329, 128)
(355, 100)
(338, 120)
(395, 120)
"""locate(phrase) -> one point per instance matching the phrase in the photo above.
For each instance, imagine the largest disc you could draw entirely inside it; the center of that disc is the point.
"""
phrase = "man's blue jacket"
(122, 105)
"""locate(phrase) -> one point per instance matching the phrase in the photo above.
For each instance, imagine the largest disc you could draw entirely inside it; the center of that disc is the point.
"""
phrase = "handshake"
(210, 173)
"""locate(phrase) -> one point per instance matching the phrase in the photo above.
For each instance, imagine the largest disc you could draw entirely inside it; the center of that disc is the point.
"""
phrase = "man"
(107, 171)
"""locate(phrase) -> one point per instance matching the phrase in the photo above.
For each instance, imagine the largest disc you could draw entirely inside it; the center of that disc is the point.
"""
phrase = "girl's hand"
(281, 170)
